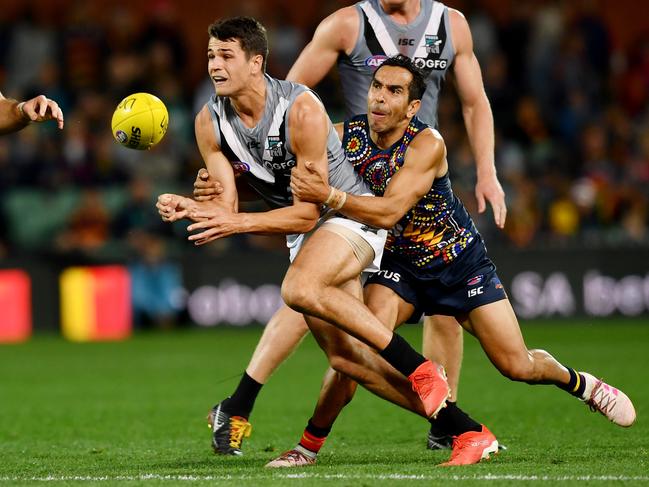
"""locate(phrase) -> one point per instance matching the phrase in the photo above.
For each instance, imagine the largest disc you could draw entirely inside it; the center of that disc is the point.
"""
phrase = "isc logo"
(474, 292)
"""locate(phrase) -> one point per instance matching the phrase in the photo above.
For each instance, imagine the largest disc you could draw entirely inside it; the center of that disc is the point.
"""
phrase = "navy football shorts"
(431, 297)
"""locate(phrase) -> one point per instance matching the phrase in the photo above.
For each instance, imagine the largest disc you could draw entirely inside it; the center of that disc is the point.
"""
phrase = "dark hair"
(248, 31)
(417, 86)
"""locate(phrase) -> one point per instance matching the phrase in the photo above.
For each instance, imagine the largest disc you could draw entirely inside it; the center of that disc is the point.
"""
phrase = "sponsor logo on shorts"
(390, 275)
(368, 229)
(471, 293)
(375, 61)
(239, 166)
(474, 280)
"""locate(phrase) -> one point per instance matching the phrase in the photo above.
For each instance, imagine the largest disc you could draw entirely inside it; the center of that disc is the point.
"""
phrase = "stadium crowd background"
(568, 84)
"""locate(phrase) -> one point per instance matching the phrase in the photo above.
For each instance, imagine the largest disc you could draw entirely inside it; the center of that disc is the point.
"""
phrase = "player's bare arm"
(174, 207)
(336, 34)
(425, 160)
(15, 115)
(218, 167)
(340, 129)
(478, 118)
(308, 126)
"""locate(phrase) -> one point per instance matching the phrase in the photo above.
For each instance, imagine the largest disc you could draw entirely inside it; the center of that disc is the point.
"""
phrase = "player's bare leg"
(313, 285)
(228, 420)
(496, 327)
(443, 342)
(357, 360)
(280, 338)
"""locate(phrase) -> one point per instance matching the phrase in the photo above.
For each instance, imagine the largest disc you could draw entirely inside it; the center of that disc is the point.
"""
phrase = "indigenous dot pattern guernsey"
(438, 228)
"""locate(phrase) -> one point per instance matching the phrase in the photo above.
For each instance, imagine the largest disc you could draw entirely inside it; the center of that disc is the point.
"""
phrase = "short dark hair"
(417, 86)
(248, 31)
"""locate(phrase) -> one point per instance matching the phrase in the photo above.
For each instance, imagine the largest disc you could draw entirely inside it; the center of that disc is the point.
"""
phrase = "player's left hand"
(489, 189)
(307, 184)
(42, 108)
(212, 222)
(173, 207)
(205, 187)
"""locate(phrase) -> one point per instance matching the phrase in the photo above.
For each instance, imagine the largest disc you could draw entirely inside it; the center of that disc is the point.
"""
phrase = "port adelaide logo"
(274, 145)
(432, 44)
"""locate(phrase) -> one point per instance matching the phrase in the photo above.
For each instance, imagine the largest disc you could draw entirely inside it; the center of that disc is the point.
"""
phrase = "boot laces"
(239, 428)
(601, 399)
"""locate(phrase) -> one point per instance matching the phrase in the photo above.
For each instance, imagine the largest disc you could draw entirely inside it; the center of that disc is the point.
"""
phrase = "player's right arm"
(15, 116)
(174, 207)
(335, 35)
(218, 167)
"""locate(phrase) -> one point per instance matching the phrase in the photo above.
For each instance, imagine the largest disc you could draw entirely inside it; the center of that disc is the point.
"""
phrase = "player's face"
(228, 66)
(387, 100)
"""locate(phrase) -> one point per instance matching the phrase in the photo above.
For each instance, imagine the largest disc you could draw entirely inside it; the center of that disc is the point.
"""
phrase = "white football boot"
(606, 399)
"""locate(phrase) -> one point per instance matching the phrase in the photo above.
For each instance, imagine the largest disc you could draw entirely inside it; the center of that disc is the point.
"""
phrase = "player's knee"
(342, 364)
(298, 294)
(519, 369)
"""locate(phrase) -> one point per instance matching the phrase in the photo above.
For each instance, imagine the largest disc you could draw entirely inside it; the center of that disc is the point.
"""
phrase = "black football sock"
(577, 383)
(452, 421)
(243, 399)
(402, 356)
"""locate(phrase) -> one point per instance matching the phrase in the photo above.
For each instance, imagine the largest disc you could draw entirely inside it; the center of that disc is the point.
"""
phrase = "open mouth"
(219, 79)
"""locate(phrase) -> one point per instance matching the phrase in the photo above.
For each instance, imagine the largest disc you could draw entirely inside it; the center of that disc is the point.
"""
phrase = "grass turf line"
(133, 413)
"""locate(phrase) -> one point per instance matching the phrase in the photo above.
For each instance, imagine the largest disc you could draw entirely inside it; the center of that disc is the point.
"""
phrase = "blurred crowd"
(570, 110)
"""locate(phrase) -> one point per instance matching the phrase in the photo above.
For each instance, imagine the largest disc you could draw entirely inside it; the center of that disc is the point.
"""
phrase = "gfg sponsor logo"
(425, 63)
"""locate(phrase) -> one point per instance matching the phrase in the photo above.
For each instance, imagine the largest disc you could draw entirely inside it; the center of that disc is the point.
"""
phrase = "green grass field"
(133, 414)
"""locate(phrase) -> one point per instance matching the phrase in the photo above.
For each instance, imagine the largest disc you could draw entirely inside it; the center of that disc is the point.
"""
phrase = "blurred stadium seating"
(568, 82)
